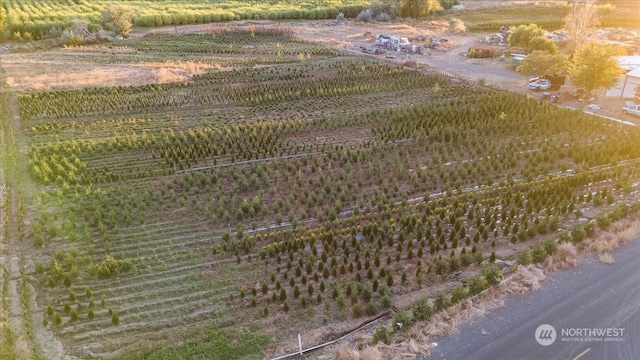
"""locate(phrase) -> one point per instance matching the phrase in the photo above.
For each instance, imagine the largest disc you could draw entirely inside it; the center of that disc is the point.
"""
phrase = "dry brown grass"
(456, 26)
(405, 29)
(601, 242)
(371, 353)
(416, 340)
(565, 257)
(630, 231)
(172, 71)
(525, 279)
(619, 233)
(606, 258)
(403, 351)
(102, 48)
(344, 353)
(24, 74)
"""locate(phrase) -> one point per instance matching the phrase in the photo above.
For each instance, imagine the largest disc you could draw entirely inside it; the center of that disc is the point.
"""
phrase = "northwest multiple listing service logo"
(546, 334)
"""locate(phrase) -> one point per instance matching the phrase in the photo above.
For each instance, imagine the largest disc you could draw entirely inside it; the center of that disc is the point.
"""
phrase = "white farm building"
(626, 87)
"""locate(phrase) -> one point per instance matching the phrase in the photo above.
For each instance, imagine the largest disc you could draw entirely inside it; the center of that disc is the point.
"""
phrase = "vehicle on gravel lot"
(539, 84)
(517, 58)
(592, 108)
(382, 39)
(631, 108)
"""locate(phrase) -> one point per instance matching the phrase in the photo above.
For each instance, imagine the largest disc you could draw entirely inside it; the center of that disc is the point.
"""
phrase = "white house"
(626, 87)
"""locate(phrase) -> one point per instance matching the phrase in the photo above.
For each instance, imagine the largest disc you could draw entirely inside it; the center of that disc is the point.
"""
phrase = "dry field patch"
(24, 74)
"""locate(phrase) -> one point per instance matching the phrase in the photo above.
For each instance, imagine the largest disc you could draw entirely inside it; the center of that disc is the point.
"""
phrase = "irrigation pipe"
(365, 324)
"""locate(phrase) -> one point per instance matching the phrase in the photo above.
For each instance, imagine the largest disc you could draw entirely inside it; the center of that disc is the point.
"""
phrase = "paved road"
(591, 297)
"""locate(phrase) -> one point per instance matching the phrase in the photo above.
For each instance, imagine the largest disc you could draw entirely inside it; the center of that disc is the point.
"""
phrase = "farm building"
(629, 62)
(626, 87)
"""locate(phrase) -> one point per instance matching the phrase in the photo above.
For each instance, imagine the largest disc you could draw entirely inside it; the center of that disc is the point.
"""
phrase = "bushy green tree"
(540, 62)
(492, 274)
(386, 302)
(522, 35)
(458, 294)
(476, 284)
(381, 334)
(541, 43)
(402, 319)
(357, 309)
(441, 301)
(595, 66)
(119, 19)
(418, 8)
(447, 4)
(421, 309)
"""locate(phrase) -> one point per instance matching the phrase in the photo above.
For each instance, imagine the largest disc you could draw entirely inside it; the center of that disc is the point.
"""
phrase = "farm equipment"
(556, 81)
(552, 98)
(499, 38)
(372, 51)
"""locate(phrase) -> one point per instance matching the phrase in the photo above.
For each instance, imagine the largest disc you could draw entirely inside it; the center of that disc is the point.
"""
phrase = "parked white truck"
(398, 43)
(395, 43)
(631, 108)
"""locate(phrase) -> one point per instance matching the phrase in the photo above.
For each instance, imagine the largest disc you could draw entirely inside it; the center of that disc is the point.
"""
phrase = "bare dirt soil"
(27, 72)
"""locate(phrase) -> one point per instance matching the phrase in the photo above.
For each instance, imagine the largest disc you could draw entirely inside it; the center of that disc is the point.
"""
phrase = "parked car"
(398, 43)
(631, 108)
(592, 108)
(540, 84)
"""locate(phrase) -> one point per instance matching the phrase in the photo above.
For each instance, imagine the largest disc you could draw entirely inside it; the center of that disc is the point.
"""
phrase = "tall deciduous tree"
(522, 35)
(119, 18)
(581, 23)
(541, 62)
(418, 8)
(388, 6)
(595, 66)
